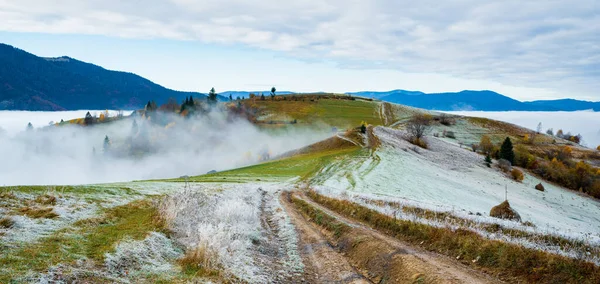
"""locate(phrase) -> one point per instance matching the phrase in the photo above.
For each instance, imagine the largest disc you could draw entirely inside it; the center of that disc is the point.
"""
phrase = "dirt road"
(377, 255)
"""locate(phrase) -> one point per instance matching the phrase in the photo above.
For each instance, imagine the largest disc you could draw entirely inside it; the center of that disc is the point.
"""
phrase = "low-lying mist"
(74, 154)
(576, 122)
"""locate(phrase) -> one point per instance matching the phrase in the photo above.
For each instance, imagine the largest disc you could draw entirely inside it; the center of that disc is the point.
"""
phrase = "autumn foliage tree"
(486, 145)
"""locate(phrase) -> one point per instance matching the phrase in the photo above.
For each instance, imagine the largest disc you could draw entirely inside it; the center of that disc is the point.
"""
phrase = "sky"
(527, 50)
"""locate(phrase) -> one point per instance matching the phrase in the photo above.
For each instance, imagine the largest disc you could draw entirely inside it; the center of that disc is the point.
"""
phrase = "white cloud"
(534, 44)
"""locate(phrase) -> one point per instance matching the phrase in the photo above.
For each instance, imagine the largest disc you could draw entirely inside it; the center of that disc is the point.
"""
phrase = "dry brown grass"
(39, 212)
(510, 262)
(201, 262)
(46, 199)
(7, 195)
(333, 143)
(6, 223)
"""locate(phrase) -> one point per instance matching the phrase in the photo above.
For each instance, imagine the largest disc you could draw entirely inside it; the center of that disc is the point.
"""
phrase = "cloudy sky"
(525, 49)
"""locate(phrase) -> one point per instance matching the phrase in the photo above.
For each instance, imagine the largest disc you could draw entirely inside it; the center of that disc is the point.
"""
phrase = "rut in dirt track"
(270, 251)
(392, 257)
(323, 263)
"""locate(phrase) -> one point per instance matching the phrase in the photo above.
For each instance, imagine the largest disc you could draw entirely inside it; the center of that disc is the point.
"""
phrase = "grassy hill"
(251, 224)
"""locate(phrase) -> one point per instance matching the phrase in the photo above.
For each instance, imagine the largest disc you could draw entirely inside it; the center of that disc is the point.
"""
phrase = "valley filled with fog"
(146, 149)
(586, 123)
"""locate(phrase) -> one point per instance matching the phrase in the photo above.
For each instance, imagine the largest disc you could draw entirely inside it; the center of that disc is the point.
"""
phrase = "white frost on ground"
(71, 207)
(153, 255)
(447, 178)
(226, 218)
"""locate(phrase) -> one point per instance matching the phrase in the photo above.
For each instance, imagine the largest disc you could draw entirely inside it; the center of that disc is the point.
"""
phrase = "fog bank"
(73, 154)
(586, 123)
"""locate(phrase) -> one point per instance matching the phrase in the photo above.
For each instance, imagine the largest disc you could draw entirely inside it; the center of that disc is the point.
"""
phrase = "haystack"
(540, 187)
(504, 211)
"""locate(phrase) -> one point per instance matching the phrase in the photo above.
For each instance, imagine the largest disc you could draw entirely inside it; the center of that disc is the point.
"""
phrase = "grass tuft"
(6, 223)
(38, 213)
(201, 262)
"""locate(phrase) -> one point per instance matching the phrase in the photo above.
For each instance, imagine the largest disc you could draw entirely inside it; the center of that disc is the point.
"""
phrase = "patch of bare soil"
(323, 263)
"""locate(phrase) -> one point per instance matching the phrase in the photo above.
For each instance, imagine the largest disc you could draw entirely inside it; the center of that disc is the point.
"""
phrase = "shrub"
(598, 148)
(504, 165)
(418, 126)
(486, 144)
(475, 147)
(419, 142)
(446, 120)
(517, 174)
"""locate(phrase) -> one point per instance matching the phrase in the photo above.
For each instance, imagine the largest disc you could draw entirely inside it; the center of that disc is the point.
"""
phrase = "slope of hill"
(29, 82)
(384, 208)
(475, 100)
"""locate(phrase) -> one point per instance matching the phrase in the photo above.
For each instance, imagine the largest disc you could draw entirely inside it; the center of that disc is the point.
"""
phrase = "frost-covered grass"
(449, 180)
(226, 223)
(509, 261)
(524, 234)
(92, 221)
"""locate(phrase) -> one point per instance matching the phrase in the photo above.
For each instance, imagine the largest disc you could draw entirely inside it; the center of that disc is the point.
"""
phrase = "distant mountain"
(475, 100)
(566, 104)
(29, 82)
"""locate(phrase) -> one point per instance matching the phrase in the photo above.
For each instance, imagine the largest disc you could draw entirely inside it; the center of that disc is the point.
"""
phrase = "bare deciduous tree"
(418, 126)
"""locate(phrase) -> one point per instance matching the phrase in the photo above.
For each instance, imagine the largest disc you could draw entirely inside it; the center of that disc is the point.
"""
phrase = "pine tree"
(488, 160)
(230, 98)
(29, 126)
(106, 146)
(506, 151)
(88, 119)
(191, 103)
(212, 96)
(273, 90)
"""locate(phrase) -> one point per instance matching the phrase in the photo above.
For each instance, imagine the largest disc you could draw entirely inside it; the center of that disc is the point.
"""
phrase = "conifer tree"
(29, 126)
(488, 160)
(106, 146)
(506, 151)
(212, 96)
(88, 119)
